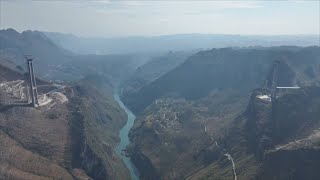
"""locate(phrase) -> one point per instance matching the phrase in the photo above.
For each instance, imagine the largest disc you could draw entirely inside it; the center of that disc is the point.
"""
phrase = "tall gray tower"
(274, 79)
(33, 84)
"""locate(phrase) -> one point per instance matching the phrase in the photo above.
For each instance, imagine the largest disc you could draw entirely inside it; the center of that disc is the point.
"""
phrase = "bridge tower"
(274, 79)
(33, 84)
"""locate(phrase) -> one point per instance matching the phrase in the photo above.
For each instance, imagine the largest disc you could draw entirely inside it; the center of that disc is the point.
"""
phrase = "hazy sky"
(150, 17)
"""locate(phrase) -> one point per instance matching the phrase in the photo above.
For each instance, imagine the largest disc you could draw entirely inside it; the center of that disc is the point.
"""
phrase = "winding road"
(226, 154)
(233, 165)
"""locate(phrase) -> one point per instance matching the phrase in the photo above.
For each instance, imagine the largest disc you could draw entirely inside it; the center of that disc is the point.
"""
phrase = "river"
(124, 139)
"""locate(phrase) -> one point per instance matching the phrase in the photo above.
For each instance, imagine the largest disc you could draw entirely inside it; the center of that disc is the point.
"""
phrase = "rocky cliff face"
(95, 126)
(295, 137)
(297, 164)
(282, 137)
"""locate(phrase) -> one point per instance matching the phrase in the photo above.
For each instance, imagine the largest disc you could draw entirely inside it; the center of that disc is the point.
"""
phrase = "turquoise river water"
(124, 139)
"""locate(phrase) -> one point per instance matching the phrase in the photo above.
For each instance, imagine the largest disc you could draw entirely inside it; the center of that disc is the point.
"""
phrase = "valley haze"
(161, 90)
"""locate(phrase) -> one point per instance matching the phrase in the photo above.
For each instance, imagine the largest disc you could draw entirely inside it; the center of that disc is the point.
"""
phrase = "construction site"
(26, 92)
(274, 88)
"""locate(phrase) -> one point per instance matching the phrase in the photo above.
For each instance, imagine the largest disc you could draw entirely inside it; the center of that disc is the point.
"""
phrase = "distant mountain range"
(238, 69)
(53, 62)
(153, 69)
(199, 115)
(179, 42)
(49, 57)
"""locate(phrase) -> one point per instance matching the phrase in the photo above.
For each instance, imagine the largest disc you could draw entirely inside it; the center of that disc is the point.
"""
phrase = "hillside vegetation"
(240, 70)
(71, 136)
(205, 111)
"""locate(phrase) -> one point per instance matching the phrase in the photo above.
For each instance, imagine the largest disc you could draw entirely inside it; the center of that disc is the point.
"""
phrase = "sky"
(116, 18)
